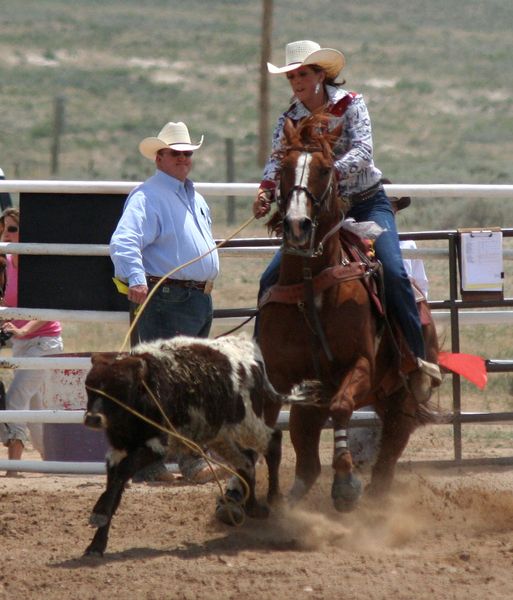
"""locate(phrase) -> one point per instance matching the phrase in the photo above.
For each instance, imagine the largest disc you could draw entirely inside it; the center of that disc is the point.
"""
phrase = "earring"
(317, 88)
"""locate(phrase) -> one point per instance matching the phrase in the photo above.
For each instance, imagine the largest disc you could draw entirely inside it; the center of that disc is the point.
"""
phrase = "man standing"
(166, 224)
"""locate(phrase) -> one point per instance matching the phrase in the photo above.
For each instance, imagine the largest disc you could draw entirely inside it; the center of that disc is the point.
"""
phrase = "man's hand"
(262, 203)
(138, 293)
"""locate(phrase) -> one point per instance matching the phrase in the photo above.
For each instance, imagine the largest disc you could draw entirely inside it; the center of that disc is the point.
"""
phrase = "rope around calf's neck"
(171, 431)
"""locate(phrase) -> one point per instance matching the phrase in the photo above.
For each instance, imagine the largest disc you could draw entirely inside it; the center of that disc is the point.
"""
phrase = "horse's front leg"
(355, 387)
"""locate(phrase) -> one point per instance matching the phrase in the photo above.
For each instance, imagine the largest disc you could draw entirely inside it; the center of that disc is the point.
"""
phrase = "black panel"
(68, 282)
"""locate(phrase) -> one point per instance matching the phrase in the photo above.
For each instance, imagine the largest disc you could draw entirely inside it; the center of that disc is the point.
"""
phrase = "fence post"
(230, 178)
(58, 127)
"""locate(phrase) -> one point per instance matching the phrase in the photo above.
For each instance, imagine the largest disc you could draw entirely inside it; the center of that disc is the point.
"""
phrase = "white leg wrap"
(340, 439)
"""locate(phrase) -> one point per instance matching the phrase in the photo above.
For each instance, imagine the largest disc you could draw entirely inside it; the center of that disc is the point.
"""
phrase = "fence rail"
(453, 311)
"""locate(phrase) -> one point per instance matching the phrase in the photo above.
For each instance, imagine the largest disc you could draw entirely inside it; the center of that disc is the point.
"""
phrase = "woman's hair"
(328, 80)
(12, 212)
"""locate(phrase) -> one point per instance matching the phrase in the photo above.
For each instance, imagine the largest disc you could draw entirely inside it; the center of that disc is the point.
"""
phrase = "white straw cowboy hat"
(172, 135)
(305, 52)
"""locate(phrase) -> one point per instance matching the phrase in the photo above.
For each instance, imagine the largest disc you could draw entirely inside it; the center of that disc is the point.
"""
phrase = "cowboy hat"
(172, 135)
(399, 203)
(305, 52)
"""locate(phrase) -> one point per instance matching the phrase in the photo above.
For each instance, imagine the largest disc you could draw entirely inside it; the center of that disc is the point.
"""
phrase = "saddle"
(362, 265)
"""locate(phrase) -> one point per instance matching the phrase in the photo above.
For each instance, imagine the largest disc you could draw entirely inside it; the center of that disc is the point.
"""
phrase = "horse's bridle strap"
(294, 293)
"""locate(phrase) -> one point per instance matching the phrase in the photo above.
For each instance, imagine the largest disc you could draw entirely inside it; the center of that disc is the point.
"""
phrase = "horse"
(319, 325)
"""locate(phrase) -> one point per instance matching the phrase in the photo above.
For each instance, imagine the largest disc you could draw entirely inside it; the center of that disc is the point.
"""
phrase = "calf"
(214, 392)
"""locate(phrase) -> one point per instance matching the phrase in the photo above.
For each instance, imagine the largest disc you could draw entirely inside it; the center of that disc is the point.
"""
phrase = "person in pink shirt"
(29, 338)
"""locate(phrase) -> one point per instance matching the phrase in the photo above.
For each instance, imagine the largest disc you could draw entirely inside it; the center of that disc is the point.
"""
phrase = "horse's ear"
(289, 131)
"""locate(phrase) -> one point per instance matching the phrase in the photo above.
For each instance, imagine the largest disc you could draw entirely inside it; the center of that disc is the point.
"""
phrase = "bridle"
(316, 201)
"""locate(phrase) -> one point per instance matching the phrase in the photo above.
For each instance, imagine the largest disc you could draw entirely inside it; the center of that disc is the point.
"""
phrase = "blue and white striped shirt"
(165, 223)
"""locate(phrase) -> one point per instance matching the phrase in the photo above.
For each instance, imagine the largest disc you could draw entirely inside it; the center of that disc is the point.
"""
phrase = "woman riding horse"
(311, 71)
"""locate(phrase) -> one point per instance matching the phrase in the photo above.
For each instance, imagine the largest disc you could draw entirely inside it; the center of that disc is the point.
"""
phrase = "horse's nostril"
(306, 226)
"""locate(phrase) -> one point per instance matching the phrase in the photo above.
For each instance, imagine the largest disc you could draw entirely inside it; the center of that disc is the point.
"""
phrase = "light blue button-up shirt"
(165, 223)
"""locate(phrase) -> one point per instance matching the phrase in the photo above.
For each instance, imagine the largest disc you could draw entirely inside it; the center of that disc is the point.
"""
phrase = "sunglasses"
(12, 229)
(175, 153)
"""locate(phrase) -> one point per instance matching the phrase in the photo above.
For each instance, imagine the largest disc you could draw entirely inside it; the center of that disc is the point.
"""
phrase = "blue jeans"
(175, 310)
(398, 292)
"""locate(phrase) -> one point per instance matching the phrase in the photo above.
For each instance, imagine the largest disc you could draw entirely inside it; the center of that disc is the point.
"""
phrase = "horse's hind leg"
(398, 424)
(305, 424)
(273, 460)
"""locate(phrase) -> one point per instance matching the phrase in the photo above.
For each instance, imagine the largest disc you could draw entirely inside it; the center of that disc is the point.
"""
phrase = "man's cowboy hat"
(306, 52)
(399, 203)
(172, 135)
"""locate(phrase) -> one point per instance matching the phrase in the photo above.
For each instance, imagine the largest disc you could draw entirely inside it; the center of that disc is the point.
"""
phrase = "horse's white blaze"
(299, 200)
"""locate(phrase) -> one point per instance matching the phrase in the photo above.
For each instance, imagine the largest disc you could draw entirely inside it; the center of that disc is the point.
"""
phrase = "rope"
(172, 432)
(142, 307)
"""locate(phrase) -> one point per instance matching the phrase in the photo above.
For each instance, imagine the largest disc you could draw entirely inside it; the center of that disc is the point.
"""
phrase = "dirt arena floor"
(444, 534)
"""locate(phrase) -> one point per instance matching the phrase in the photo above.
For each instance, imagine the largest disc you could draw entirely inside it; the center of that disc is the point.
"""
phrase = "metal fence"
(455, 311)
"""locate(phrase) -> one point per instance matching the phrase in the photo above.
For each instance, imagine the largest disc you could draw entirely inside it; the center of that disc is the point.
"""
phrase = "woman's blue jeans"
(398, 292)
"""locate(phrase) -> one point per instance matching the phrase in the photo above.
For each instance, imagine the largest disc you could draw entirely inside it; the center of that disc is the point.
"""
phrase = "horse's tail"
(429, 414)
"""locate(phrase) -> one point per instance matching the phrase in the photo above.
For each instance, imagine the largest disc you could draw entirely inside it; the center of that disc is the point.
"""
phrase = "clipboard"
(481, 263)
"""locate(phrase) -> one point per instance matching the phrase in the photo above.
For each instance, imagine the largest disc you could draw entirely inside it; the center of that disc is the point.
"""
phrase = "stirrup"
(431, 369)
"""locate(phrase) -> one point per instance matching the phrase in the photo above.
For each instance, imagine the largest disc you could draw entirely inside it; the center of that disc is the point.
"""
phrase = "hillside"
(437, 77)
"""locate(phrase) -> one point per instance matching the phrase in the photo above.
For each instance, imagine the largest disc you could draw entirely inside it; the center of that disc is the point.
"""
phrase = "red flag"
(470, 366)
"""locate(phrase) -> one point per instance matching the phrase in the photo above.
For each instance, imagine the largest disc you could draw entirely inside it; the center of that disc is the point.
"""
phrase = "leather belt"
(365, 195)
(185, 283)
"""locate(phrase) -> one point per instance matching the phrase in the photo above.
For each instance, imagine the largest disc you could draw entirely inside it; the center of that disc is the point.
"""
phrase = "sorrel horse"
(318, 323)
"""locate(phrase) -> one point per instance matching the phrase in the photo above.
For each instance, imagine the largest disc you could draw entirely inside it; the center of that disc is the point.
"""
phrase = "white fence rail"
(214, 190)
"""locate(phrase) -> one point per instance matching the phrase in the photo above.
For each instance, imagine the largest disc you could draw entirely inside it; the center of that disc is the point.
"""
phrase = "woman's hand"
(262, 203)
(11, 328)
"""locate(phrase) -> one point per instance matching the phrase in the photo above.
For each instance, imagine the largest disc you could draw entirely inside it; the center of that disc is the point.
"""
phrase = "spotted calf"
(214, 392)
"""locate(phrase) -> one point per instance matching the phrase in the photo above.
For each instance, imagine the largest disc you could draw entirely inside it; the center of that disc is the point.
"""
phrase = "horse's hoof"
(229, 509)
(345, 492)
(377, 491)
(98, 520)
(297, 492)
(275, 499)
(258, 511)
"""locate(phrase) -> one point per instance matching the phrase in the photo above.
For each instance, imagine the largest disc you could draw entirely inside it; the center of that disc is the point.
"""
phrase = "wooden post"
(58, 128)
(265, 56)
(230, 178)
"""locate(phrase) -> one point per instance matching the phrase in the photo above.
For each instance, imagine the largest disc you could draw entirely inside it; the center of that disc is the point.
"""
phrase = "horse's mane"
(311, 132)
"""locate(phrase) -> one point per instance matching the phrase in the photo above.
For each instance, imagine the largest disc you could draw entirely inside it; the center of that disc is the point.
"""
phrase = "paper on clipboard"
(482, 261)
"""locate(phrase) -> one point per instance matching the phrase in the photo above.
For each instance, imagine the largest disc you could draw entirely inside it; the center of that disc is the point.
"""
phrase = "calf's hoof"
(345, 492)
(92, 551)
(98, 520)
(229, 509)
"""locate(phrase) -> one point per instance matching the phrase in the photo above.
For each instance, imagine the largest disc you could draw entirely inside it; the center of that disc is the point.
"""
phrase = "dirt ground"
(444, 534)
